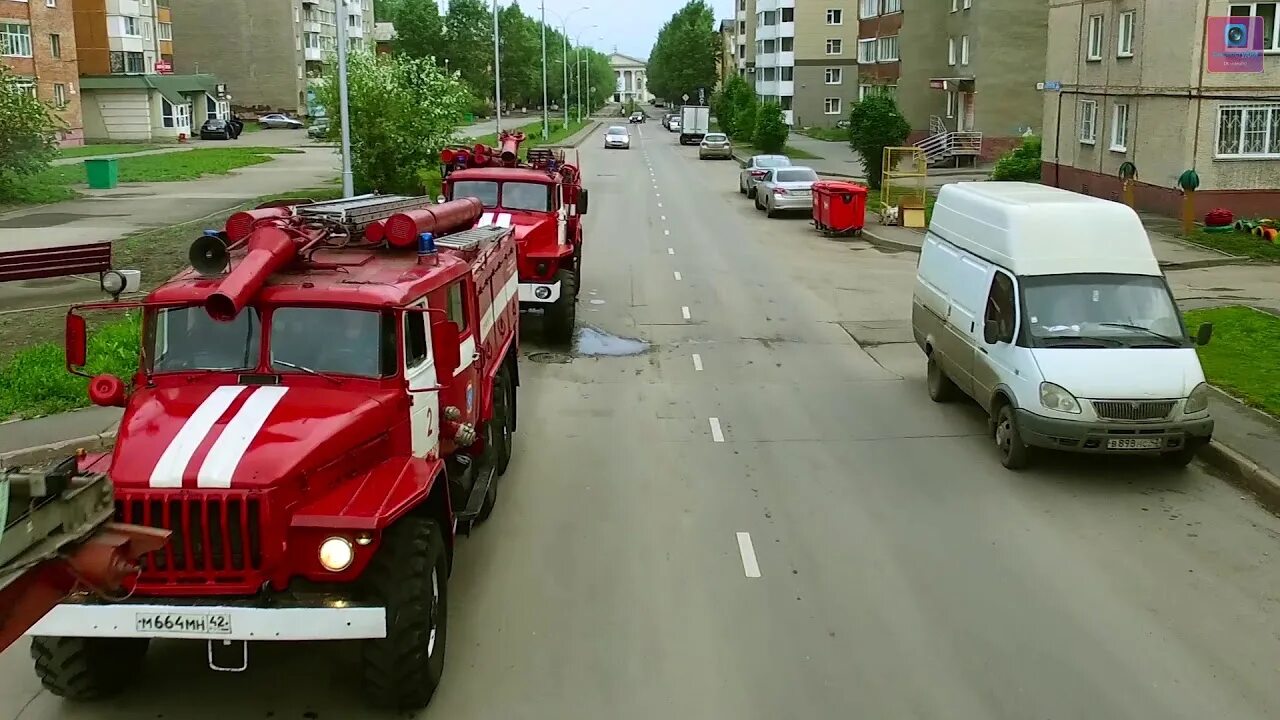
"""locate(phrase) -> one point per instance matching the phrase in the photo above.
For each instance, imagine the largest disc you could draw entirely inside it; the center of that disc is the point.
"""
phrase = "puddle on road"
(595, 342)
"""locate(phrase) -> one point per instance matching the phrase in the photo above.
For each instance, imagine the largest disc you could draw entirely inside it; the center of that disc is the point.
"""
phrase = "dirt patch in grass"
(1244, 356)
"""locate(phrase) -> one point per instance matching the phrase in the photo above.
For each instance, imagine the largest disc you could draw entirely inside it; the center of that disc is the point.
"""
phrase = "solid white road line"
(677, 274)
(684, 310)
(717, 435)
(748, 552)
(697, 362)
(671, 251)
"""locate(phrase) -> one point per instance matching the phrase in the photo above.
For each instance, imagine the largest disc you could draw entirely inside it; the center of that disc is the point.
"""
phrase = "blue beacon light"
(426, 244)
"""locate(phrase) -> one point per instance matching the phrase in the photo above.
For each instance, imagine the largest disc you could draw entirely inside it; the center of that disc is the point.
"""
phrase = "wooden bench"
(52, 262)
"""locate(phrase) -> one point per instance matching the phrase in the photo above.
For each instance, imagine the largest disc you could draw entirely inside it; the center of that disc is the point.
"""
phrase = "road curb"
(869, 234)
(1243, 472)
(45, 454)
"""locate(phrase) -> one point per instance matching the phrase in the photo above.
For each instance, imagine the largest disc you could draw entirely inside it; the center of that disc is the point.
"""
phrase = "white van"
(1049, 309)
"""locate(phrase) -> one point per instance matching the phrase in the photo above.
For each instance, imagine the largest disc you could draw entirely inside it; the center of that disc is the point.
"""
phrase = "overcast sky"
(629, 25)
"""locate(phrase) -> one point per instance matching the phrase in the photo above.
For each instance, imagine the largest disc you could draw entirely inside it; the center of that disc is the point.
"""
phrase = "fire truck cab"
(543, 199)
(315, 416)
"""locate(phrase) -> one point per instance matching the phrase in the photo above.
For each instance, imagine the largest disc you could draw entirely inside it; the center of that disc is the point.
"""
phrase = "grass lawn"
(1244, 356)
(1237, 243)
(559, 133)
(825, 133)
(105, 149)
(33, 378)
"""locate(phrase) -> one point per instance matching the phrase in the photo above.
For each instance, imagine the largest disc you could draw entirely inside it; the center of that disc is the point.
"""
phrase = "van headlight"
(1056, 397)
(1197, 401)
(336, 554)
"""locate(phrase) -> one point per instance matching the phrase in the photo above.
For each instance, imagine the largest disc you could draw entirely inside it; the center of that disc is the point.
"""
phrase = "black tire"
(87, 668)
(503, 390)
(941, 389)
(742, 187)
(562, 316)
(757, 201)
(1180, 458)
(1014, 454)
(769, 212)
(409, 575)
(751, 192)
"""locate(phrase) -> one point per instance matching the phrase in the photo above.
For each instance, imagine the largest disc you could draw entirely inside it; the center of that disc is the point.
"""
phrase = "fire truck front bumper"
(539, 293)
(325, 620)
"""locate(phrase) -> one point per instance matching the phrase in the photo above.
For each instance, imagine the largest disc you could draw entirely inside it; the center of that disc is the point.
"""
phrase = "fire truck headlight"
(336, 554)
(542, 293)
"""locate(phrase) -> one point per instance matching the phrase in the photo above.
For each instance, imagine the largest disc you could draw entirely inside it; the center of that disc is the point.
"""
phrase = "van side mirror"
(1204, 333)
(445, 345)
(582, 201)
(77, 341)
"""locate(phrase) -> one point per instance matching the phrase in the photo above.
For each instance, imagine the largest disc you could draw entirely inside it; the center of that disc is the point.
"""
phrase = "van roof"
(1034, 229)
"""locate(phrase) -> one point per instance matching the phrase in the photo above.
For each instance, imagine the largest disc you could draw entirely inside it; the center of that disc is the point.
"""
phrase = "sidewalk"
(837, 159)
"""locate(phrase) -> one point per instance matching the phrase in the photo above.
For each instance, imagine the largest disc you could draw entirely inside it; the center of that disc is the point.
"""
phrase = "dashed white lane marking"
(659, 204)
(684, 310)
(666, 232)
(697, 362)
(748, 552)
(677, 274)
(671, 251)
(717, 435)
(664, 218)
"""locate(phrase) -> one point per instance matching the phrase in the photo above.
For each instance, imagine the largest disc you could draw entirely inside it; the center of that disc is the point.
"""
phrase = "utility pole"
(497, 74)
(564, 58)
(577, 66)
(546, 123)
(348, 182)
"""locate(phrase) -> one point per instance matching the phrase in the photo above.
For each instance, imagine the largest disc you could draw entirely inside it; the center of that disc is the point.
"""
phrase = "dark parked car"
(217, 129)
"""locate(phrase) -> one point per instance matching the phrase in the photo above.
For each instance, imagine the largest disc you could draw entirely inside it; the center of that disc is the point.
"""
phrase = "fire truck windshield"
(187, 338)
(333, 340)
(486, 191)
(535, 197)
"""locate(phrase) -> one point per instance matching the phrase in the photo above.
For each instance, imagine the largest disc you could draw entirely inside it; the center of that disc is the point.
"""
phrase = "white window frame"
(881, 44)
(837, 14)
(951, 51)
(164, 31)
(1120, 127)
(1125, 29)
(831, 106)
(890, 7)
(864, 91)
(60, 97)
(51, 3)
(16, 44)
(964, 50)
(838, 44)
(1097, 25)
(27, 85)
(867, 51)
(1252, 8)
(1088, 122)
(837, 73)
(129, 20)
(868, 8)
(1271, 130)
(55, 45)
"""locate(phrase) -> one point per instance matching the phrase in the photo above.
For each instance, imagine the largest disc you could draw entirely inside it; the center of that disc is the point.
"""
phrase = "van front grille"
(1133, 410)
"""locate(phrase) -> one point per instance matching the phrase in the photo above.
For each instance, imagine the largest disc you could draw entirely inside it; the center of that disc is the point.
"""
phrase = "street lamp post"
(564, 56)
(348, 181)
(546, 124)
(497, 74)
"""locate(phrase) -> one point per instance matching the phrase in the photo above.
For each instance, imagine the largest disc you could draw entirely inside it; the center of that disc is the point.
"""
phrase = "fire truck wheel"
(503, 390)
(563, 313)
(409, 575)
(87, 668)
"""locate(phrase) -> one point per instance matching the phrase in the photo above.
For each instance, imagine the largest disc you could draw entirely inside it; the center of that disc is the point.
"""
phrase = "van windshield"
(1102, 310)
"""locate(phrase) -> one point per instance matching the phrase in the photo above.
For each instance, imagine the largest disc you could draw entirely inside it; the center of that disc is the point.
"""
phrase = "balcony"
(766, 32)
(311, 26)
(767, 88)
(766, 60)
(312, 54)
(768, 5)
(786, 59)
(786, 29)
(355, 31)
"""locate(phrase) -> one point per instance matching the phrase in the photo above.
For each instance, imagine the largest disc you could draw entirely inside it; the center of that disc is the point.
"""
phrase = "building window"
(1095, 37)
(26, 86)
(130, 25)
(1249, 131)
(55, 45)
(951, 104)
(59, 95)
(1120, 128)
(770, 17)
(1088, 122)
(169, 113)
(129, 63)
(770, 46)
(146, 29)
(964, 50)
(868, 8)
(867, 51)
(786, 74)
(831, 106)
(834, 76)
(835, 17)
(892, 6)
(15, 40)
(1270, 14)
(1124, 35)
(165, 30)
(51, 3)
(887, 50)
(786, 44)
(835, 46)
(951, 51)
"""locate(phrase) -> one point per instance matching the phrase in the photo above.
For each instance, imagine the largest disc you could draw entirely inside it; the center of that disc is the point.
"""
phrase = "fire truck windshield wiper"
(308, 370)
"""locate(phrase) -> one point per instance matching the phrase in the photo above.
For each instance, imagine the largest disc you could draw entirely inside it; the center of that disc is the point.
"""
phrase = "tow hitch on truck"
(542, 198)
(324, 400)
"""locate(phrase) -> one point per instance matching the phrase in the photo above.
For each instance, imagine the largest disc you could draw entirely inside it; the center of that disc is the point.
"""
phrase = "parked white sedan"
(617, 137)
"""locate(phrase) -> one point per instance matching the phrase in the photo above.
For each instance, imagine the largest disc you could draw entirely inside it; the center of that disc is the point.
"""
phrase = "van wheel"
(1014, 454)
(941, 389)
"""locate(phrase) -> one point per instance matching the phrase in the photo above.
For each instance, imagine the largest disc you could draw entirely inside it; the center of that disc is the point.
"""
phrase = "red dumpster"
(839, 208)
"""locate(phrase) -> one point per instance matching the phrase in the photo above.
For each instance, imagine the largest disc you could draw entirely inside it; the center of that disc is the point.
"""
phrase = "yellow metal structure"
(902, 184)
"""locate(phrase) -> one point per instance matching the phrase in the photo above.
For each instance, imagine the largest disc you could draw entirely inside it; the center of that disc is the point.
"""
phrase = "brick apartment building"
(1136, 86)
(38, 42)
(879, 64)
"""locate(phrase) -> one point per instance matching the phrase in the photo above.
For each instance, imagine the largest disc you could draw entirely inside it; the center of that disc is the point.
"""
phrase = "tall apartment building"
(805, 58)
(1137, 86)
(119, 37)
(879, 64)
(744, 37)
(38, 43)
(271, 51)
(972, 67)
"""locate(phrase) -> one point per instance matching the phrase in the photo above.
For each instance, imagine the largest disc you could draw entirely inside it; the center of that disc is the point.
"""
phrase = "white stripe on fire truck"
(173, 461)
(228, 450)
(466, 355)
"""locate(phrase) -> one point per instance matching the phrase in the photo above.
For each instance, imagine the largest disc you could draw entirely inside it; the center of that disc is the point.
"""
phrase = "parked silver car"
(280, 121)
(715, 145)
(755, 168)
(785, 188)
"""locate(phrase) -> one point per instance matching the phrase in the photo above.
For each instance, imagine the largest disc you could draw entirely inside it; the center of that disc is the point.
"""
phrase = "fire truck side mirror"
(582, 201)
(445, 345)
(77, 341)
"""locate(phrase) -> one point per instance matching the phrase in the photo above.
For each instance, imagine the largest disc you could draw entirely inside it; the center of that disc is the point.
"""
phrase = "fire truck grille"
(215, 539)
(1133, 410)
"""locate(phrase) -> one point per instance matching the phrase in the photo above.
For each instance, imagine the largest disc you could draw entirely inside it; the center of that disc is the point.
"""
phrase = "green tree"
(875, 123)
(27, 134)
(520, 41)
(468, 47)
(1021, 163)
(744, 116)
(419, 28)
(770, 134)
(735, 94)
(683, 59)
(403, 112)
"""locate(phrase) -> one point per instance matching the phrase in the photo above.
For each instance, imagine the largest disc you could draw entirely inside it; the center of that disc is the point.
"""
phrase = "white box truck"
(695, 122)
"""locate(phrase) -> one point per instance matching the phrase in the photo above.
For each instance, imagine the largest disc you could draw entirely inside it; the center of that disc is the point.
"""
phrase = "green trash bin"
(470, 118)
(103, 173)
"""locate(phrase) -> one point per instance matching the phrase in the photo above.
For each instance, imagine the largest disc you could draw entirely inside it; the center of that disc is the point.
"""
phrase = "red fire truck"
(543, 199)
(325, 398)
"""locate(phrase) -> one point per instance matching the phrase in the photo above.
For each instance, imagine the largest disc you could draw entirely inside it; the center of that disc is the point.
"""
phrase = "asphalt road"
(761, 517)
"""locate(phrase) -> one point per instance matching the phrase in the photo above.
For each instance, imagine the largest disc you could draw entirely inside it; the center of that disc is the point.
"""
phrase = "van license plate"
(1135, 444)
(192, 623)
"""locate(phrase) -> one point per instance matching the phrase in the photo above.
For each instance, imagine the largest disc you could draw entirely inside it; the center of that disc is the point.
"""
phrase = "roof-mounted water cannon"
(270, 250)
(509, 143)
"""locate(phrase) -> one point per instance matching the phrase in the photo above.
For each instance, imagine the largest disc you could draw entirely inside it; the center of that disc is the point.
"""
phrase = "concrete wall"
(811, 90)
(877, 27)
(812, 60)
(254, 50)
(118, 115)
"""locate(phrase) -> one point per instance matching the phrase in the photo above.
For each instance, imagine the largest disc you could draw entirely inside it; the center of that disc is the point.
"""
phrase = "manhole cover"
(550, 358)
